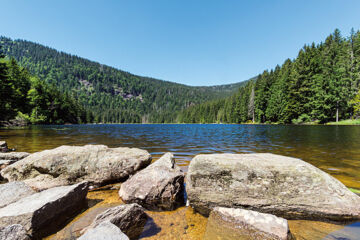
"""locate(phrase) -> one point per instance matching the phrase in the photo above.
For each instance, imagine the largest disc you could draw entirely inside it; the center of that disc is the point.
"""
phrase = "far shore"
(349, 122)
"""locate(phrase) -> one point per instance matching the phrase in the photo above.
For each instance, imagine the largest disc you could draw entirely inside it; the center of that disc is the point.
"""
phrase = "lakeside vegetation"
(27, 99)
(346, 122)
(320, 85)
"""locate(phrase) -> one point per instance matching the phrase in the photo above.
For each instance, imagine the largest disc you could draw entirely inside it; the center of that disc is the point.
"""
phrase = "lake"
(334, 149)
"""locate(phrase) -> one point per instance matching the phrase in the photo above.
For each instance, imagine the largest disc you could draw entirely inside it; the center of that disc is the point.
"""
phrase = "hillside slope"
(111, 94)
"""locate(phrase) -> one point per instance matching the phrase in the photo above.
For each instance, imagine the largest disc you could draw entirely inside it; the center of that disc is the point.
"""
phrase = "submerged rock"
(231, 223)
(349, 232)
(41, 213)
(68, 165)
(13, 191)
(160, 186)
(129, 218)
(7, 159)
(13, 232)
(268, 183)
(104, 231)
(3, 146)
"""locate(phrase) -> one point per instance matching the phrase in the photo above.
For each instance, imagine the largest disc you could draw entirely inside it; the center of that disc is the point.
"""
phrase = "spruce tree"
(251, 108)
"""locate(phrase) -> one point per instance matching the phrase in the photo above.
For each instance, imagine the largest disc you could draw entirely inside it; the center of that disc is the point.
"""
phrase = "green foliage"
(303, 118)
(112, 95)
(29, 99)
(24, 118)
(356, 104)
(319, 86)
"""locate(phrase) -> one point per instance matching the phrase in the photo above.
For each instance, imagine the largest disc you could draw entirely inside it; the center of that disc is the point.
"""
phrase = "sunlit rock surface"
(104, 231)
(41, 213)
(246, 225)
(13, 232)
(14, 156)
(13, 191)
(269, 183)
(159, 186)
(9, 158)
(68, 165)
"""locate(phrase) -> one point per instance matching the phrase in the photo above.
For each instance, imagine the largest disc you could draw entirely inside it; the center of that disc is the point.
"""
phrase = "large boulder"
(7, 159)
(268, 183)
(231, 223)
(42, 213)
(129, 218)
(104, 231)
(68, 165)
(13, 191)
(160, 186)
(13, 232)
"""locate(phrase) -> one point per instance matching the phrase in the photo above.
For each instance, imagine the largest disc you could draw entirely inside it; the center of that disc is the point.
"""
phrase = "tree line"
(28, 99)
(320, 85)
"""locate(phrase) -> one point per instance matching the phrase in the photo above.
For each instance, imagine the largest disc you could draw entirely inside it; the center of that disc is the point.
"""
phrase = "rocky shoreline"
(250, 195)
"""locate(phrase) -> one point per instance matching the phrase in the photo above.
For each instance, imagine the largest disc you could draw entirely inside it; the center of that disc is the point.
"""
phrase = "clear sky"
(186, 41)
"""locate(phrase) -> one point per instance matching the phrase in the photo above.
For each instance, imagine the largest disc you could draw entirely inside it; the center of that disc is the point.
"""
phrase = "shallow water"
(183, 223)
(334, 149)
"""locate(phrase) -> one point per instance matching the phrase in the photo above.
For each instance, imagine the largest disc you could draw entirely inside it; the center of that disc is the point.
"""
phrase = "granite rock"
(68, 165)
(160, 186)
(268, 183)
(41, 213)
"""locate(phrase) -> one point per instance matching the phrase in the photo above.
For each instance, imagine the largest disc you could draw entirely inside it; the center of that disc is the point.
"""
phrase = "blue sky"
(191, 42)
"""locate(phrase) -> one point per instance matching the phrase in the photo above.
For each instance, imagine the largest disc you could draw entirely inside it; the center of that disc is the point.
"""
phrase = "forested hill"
(320, 85)
(111, 94)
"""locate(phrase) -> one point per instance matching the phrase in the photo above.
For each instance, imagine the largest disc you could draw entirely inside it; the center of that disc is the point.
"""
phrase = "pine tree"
(338, 75)
(277, 105)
